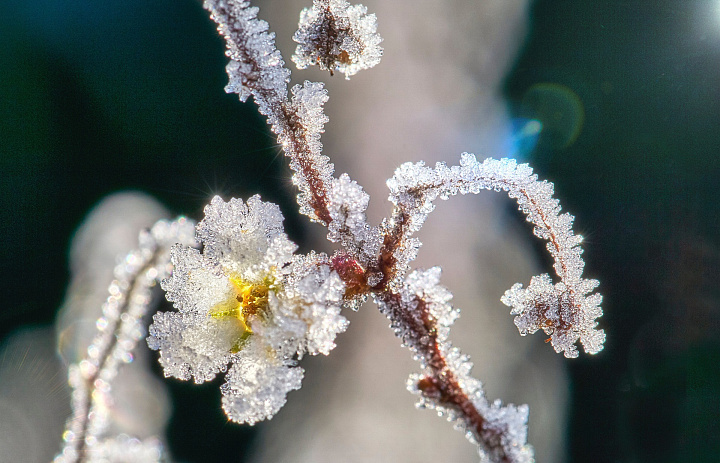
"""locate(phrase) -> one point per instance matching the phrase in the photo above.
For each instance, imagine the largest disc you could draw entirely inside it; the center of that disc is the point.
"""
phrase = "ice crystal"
(425, 285)
(299, 136)
(248, 301)
(347, 203)
(554, 309)
(337, 36)
(123, 448)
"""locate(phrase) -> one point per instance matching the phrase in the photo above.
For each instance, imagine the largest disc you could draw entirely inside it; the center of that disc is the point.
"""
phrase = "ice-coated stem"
(446, 385)
(258, 69)
(118, 331)
(91, 378)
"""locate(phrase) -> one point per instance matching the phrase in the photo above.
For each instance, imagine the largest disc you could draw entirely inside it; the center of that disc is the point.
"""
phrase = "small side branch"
(567, 310)
(419, 309)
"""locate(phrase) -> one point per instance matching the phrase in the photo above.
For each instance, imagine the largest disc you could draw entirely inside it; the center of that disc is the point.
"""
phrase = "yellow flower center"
(249, 299)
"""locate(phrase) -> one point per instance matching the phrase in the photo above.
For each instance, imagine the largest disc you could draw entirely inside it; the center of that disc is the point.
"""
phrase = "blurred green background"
(97, 97)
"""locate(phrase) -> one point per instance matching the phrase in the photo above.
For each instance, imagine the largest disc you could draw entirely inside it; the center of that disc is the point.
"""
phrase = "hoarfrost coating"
(248, 306)
(567, 311)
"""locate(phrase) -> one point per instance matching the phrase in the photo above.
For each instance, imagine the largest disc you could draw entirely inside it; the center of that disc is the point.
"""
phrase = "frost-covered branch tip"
(337, 36)
(567, 311)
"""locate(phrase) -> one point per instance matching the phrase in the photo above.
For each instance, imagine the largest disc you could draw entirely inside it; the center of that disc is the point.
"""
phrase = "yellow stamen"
(248, 300)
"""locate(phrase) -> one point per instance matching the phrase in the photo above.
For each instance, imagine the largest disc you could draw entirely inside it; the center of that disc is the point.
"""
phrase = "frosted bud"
(566, 315)
(337, 36)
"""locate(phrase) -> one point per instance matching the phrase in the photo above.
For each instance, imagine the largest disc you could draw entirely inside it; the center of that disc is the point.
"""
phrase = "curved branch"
(118, 331)
(419, 308)
(566, 310)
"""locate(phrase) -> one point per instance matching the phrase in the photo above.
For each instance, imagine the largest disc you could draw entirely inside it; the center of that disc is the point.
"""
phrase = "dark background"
(97, 97)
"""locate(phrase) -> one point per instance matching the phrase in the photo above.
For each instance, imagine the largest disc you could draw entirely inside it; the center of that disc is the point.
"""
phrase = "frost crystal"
(337, 36)
(552, 308)
(248, 301)
(123, 449)
(299, 136)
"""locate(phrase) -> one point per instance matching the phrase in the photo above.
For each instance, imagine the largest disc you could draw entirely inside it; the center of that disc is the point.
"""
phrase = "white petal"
(257, 387)
(196, 284)
(192, 346)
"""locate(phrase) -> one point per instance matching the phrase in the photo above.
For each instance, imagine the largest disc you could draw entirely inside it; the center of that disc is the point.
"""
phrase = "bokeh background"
(616, 102)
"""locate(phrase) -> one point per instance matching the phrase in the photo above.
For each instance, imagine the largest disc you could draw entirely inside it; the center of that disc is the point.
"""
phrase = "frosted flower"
(247, 301)
(337, 36)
